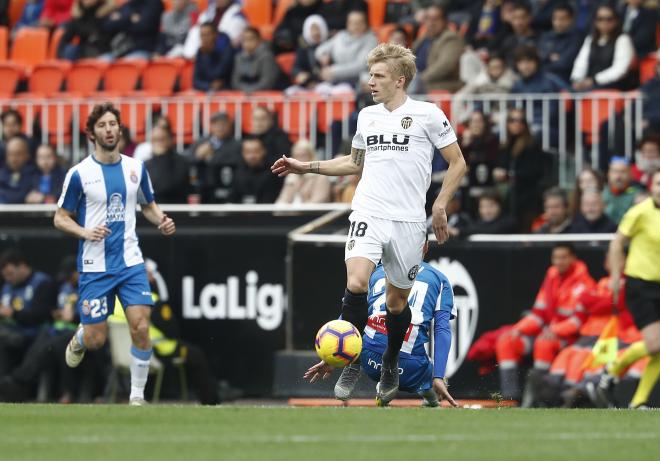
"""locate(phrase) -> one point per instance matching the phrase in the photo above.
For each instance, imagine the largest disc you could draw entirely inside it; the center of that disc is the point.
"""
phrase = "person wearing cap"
(620, 192)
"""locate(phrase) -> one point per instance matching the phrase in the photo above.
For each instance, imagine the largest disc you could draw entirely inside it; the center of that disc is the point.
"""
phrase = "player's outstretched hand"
(97, 233)
(439, 224)
(440, 388)
(320, 370)
(166, 225)
(285, 165)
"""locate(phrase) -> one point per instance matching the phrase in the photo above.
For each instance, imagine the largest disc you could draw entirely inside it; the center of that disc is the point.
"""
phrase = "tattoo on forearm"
(358, 156)
(315, 167)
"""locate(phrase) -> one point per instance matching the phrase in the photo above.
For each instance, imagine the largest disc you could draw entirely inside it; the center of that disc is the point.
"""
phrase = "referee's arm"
(617, 259)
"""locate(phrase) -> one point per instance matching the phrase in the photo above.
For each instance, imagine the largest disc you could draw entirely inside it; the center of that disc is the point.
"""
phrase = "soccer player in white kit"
(98, 205)
(392, 150)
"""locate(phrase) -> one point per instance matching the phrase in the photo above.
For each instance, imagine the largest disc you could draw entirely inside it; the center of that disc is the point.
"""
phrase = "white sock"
(139, 371)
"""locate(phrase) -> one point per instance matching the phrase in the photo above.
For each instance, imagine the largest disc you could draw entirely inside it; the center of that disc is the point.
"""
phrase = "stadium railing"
(572, 126)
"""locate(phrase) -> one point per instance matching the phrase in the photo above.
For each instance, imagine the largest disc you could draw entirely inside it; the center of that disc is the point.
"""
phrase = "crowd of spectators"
(486, 47)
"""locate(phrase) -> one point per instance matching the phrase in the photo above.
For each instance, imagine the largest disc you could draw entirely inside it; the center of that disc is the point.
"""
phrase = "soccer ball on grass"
(338, 343)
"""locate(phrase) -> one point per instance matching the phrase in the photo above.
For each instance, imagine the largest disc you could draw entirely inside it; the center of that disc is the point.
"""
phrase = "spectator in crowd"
(588, 179)
(254, 182)
(547, 323)
(640, 24)
(480, 148)
(143, 151)
(134, 27)
(255, 68)
(168, 169)
(50, 177)
(4, 16)
(56, 12)
(533, 79)
(214, 60)
(651, 92)
(174, 27)
(438, 55)
(311, 188)
(31, 15)
(559, 47)
(288, 32)
(12, 125)
(523, 33)
(26, 301)
(592, 218)
(18, 175)
(490, 218)
(216, 158)
(336, 12)
(277, 142)
(484, 24)
(620, 192)
(126, 144)
(496, 78)
(542, 11)
(343, 57)
(606, 56)
(306, 70)
(399, 36)
(520, 169)
(227, 17)
(555, 212)
(647, 160)
(84, 36)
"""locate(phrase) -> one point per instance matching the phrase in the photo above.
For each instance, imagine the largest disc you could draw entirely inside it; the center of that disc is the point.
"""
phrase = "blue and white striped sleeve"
(444, 312)
(72, 191)
(146, 190)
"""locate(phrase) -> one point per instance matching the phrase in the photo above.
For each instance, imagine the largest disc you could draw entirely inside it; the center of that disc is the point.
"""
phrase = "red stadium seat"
(15, 11)
(376, 12)
(30, 46)
(647, 68)
(84, 78)
(339, 110)
(47, 78)
(122, 76)
(280, 10)
(10, 74)
(596, 106)
(286, 62)
(186, 76)
(184, 116)
(55, 40)
(160, 77)
(57, 119)
(442, 98)
(383, 32)
(258, 12)
(4, 39)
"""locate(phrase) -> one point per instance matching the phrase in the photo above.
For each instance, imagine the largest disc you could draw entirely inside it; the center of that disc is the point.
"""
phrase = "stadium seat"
(47, 77)
(4, 38)
(84, 78)
(383, 32)
(10, 74)
(647, 68)
(55, 42)
(596, 105)
(339, 110)
(186, 76)
(122, 76)
(376, 12)
(30, 46)
(184, 116)
(56, 119)
(258, 12)
(286, 62)
(15, 11)
(159, 77)
(280, 10)
(442, 98)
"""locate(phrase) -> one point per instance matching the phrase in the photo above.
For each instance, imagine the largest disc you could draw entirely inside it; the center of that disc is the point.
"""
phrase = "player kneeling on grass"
(431, 298)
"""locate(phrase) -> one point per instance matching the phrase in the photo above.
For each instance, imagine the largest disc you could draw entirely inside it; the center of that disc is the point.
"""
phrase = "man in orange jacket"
(552, 324)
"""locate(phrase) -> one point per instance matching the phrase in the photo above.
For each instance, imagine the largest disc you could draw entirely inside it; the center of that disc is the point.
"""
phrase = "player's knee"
(140, 330)
(653, 345)
(357, 284)
(94, 339)
(396, 302)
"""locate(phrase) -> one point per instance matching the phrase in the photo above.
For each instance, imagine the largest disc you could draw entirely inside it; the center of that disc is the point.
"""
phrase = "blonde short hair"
(400, 60)
(305, 144)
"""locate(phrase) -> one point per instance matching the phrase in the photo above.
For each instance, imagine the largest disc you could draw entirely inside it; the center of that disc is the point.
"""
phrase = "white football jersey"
(399, 151)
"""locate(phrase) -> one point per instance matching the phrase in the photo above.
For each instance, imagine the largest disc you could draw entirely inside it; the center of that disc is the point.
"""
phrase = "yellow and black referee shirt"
(641, 224)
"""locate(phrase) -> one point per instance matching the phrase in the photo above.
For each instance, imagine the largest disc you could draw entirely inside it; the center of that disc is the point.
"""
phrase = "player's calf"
(355, 309)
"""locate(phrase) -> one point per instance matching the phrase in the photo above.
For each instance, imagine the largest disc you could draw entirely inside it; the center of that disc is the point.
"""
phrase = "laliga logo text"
(467, 307)
(264, 303)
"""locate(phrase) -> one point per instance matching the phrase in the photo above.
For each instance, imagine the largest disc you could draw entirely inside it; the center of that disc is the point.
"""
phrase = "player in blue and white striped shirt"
(98, 206)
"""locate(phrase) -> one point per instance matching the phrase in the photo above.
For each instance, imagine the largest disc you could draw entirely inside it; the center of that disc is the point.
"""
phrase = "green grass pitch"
(169, 432)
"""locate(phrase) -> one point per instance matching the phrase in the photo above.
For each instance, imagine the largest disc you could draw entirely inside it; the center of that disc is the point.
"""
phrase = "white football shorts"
(398, 244)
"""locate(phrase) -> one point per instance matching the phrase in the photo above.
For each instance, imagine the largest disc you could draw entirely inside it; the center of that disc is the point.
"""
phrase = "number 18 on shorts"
(398, 244)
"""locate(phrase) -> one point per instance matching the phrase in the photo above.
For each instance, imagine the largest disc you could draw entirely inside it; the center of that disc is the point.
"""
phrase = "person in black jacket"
(559, 47)
(214, 60)
(491, 220)
(289, 30)
(168, 169)
(277, 142)
(592, 218)
(254, 182)
(86, 25)
(50, 177)
(18, 175)
(134, 26)
(640, 23)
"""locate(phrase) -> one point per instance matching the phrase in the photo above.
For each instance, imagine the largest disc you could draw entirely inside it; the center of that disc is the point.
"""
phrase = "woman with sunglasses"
(606, 56)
